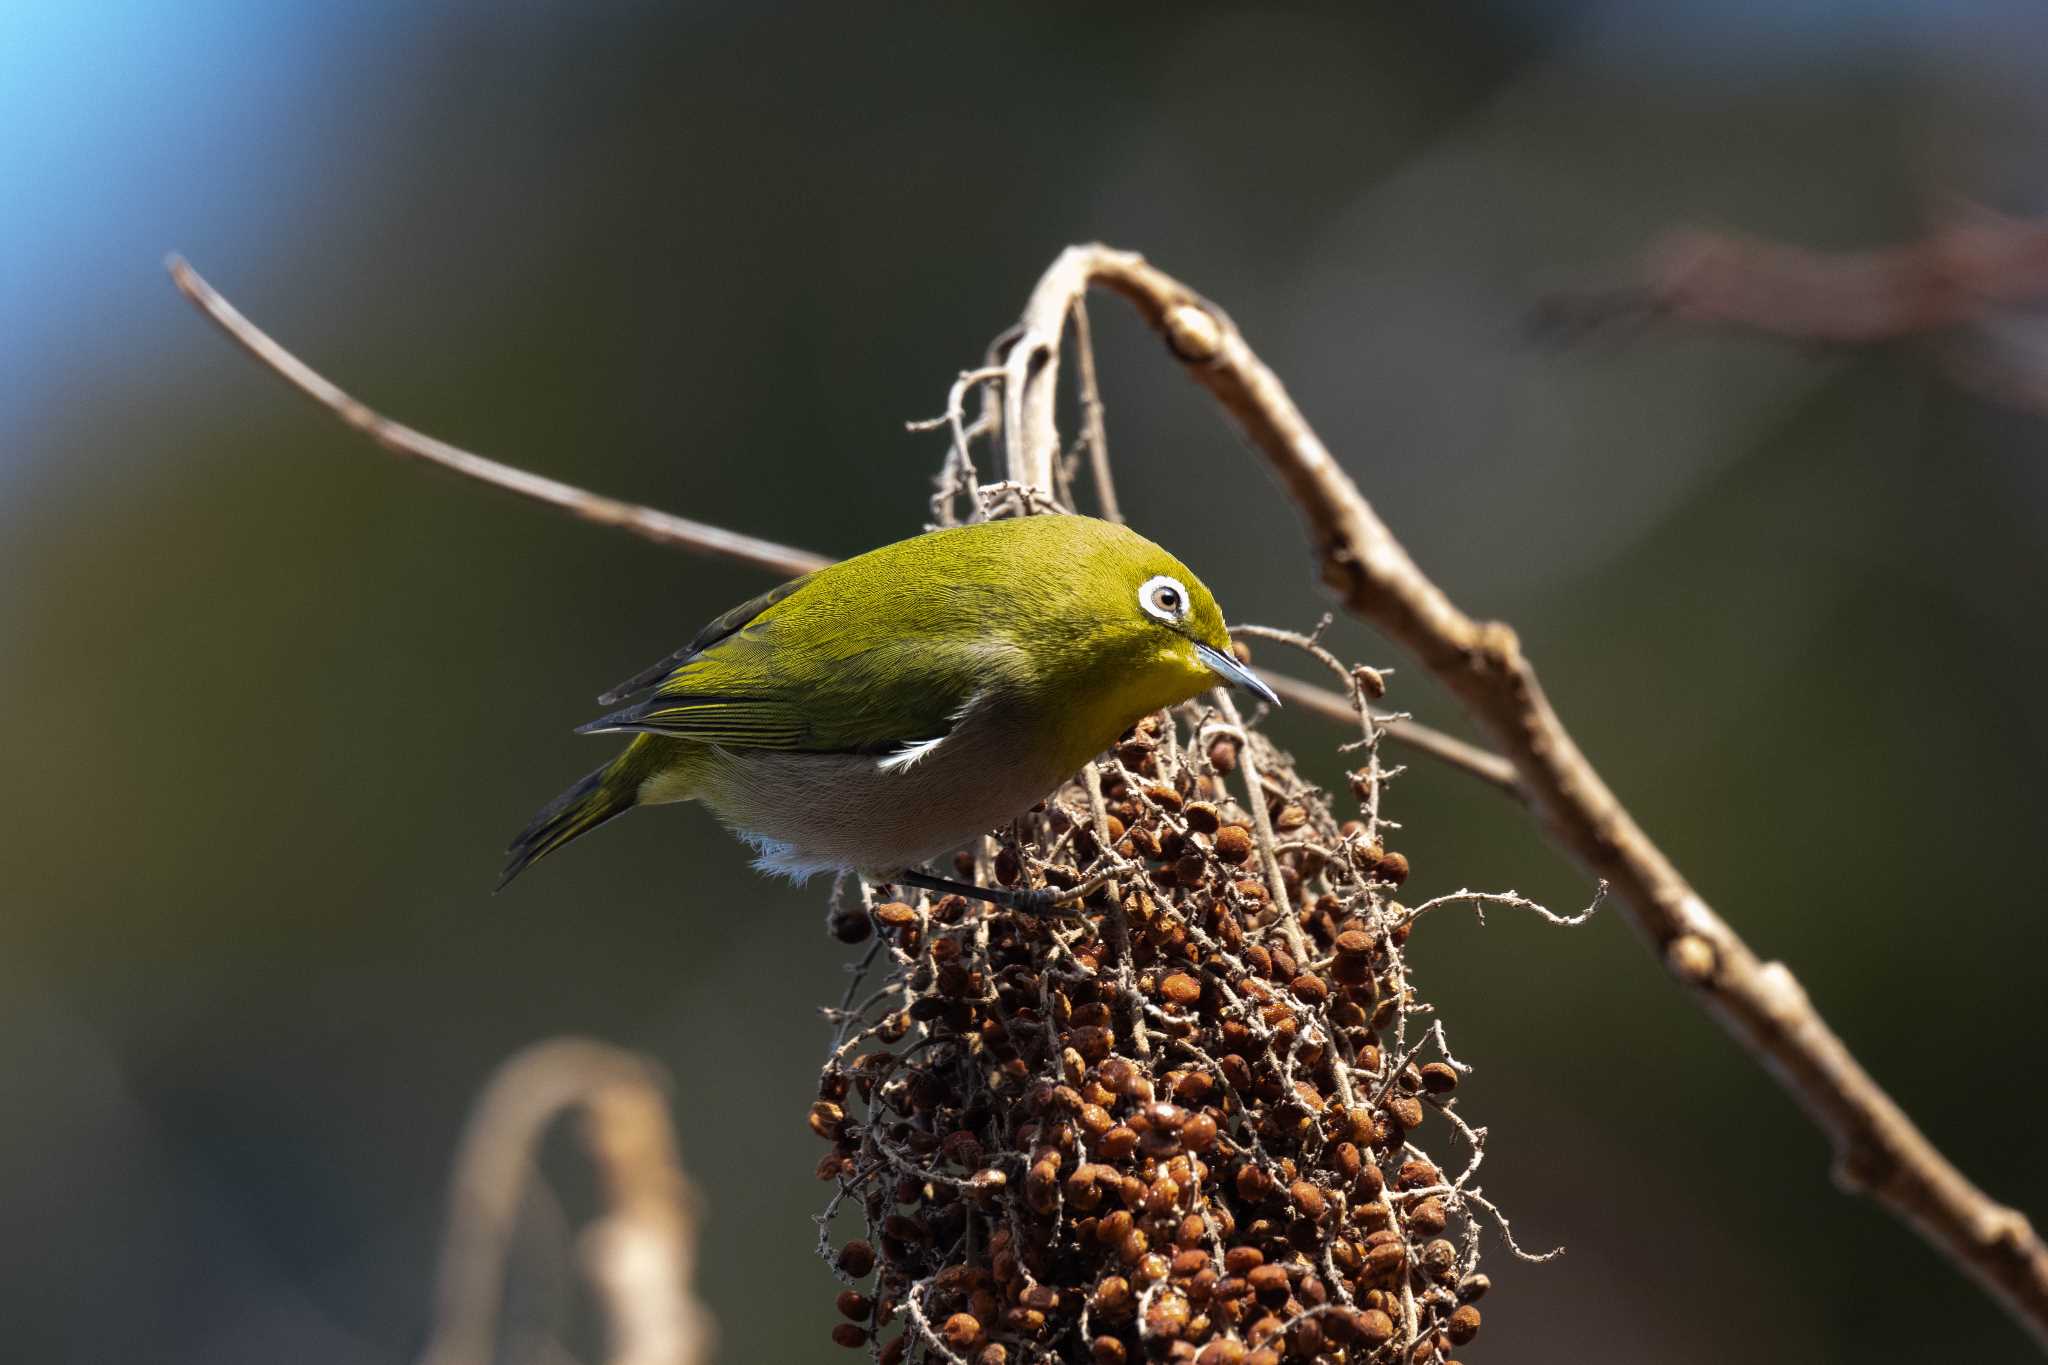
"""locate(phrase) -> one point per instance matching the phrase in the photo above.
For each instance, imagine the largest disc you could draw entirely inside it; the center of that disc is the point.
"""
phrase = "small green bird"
(880, 712)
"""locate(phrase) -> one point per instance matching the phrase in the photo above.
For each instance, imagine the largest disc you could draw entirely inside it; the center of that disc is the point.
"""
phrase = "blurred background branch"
(1976, 267)
(640, 1254)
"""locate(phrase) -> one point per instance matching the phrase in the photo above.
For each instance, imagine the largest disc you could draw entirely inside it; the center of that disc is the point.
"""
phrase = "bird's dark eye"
(1164, 598)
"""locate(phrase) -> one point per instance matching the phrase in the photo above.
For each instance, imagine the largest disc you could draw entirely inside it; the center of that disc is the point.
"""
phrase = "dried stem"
(640, 1255)
(1094, 432)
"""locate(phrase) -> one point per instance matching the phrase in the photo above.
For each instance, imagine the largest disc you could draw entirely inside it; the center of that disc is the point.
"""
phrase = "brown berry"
(1168, 1315)
(1463, 1324)
(1426, 1219)
(1375, 1328)
(961, 1331)
(1439, 1078)
(826, 1119)
(1268, 1281)
(1116, 1144)
(1233, 843)
(856, 1259)
(1181, 989)
(848, 1335)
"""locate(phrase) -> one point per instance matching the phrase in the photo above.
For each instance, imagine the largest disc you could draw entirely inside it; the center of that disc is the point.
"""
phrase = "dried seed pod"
(1146, 1107)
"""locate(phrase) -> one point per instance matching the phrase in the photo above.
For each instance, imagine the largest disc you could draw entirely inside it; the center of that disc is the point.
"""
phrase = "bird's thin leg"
(1030, 902)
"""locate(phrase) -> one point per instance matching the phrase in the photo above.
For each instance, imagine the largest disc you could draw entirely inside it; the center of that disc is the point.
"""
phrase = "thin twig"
(1262, 828)
(1479, 900)
(660, 527)
(1878, 1149)
(1094, 432)
(1480, 763)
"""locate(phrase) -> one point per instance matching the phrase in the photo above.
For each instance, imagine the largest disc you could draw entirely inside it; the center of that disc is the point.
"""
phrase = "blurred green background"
(273, 702)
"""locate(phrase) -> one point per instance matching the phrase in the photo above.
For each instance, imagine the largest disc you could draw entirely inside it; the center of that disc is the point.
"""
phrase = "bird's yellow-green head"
(1100, 624)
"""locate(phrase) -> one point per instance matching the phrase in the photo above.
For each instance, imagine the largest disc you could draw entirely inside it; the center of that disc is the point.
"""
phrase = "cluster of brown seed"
(1179, 1121)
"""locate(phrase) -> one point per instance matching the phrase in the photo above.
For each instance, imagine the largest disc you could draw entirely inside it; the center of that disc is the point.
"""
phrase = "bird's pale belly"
(809, 813)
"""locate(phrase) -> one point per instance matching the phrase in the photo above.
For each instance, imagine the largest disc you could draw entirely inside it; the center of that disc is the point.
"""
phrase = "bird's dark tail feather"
(601, 795)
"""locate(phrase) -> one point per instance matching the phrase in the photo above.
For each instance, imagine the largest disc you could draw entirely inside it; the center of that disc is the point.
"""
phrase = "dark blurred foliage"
(272, 703)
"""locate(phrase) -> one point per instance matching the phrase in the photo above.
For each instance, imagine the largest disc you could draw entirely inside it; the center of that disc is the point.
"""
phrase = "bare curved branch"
(649, 524)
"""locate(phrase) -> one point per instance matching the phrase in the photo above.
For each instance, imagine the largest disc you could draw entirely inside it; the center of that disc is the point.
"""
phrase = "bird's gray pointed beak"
(1236, 674)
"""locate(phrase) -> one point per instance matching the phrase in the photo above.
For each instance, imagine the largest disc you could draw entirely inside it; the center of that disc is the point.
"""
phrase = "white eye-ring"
(1164, 597)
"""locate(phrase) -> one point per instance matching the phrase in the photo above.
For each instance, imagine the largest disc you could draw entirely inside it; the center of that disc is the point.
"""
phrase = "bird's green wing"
(728, 623)
(822, 665)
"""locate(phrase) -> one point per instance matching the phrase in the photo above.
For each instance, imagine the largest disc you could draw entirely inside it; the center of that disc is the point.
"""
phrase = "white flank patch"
(908, 754)
(781, 859)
